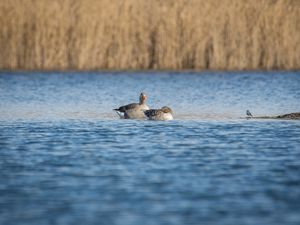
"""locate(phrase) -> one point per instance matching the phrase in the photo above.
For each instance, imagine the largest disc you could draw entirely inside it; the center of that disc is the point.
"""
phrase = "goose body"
(133, 110)
(165, 113)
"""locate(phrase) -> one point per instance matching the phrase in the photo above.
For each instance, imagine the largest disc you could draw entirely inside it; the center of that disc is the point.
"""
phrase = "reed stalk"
(149, 34)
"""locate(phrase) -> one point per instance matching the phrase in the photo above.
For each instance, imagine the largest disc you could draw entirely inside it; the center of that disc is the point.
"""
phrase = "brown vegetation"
(149, 34)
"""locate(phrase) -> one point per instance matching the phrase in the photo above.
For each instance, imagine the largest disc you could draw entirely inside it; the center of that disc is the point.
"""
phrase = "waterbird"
(133, 110)
(248, 114)
(165, 113)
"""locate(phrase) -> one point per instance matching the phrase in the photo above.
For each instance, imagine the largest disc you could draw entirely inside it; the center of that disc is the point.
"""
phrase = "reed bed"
(149, 34)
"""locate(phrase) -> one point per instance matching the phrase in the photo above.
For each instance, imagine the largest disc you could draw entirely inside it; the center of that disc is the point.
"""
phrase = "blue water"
(66, 158)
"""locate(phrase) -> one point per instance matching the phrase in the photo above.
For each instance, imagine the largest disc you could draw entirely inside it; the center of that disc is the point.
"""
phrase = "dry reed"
(149, 34)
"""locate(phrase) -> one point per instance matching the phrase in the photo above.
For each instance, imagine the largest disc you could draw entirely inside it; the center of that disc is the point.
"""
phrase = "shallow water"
(65, 157)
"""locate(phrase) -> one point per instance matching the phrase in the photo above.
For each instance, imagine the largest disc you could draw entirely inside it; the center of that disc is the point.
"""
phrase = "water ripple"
(60, 167)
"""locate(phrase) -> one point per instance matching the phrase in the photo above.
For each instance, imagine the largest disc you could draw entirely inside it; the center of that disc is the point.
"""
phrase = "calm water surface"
(66, 158)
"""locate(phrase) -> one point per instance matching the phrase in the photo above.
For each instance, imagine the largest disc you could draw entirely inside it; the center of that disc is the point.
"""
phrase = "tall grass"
(149, 34)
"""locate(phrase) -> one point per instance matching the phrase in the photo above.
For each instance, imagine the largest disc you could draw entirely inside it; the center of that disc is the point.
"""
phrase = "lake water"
(66, 158)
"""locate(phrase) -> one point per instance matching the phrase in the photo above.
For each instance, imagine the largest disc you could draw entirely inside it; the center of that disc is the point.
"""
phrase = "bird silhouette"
(249, 113)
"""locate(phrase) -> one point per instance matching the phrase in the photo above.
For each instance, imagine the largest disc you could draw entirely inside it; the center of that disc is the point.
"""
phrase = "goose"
(165, 113)
(133, 110)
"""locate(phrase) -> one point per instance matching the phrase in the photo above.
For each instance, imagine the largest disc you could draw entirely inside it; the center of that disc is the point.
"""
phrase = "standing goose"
(165, 113)
(134, 110)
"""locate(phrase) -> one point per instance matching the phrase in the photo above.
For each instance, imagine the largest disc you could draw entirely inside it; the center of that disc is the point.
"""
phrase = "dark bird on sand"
(248, 113)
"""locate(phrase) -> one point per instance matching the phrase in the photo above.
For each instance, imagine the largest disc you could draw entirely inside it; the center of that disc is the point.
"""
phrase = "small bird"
(133, 110)
(165, 113)
(249, 115)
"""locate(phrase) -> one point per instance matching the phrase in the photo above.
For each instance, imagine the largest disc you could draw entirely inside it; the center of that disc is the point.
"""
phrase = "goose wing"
(152, 112)
(124, 108)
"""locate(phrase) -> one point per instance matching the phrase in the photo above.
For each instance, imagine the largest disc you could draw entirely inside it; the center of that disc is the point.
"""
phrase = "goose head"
(167, 109)
(143, 98)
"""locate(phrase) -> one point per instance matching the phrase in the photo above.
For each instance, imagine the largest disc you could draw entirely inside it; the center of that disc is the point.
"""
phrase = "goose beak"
(143, 96)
